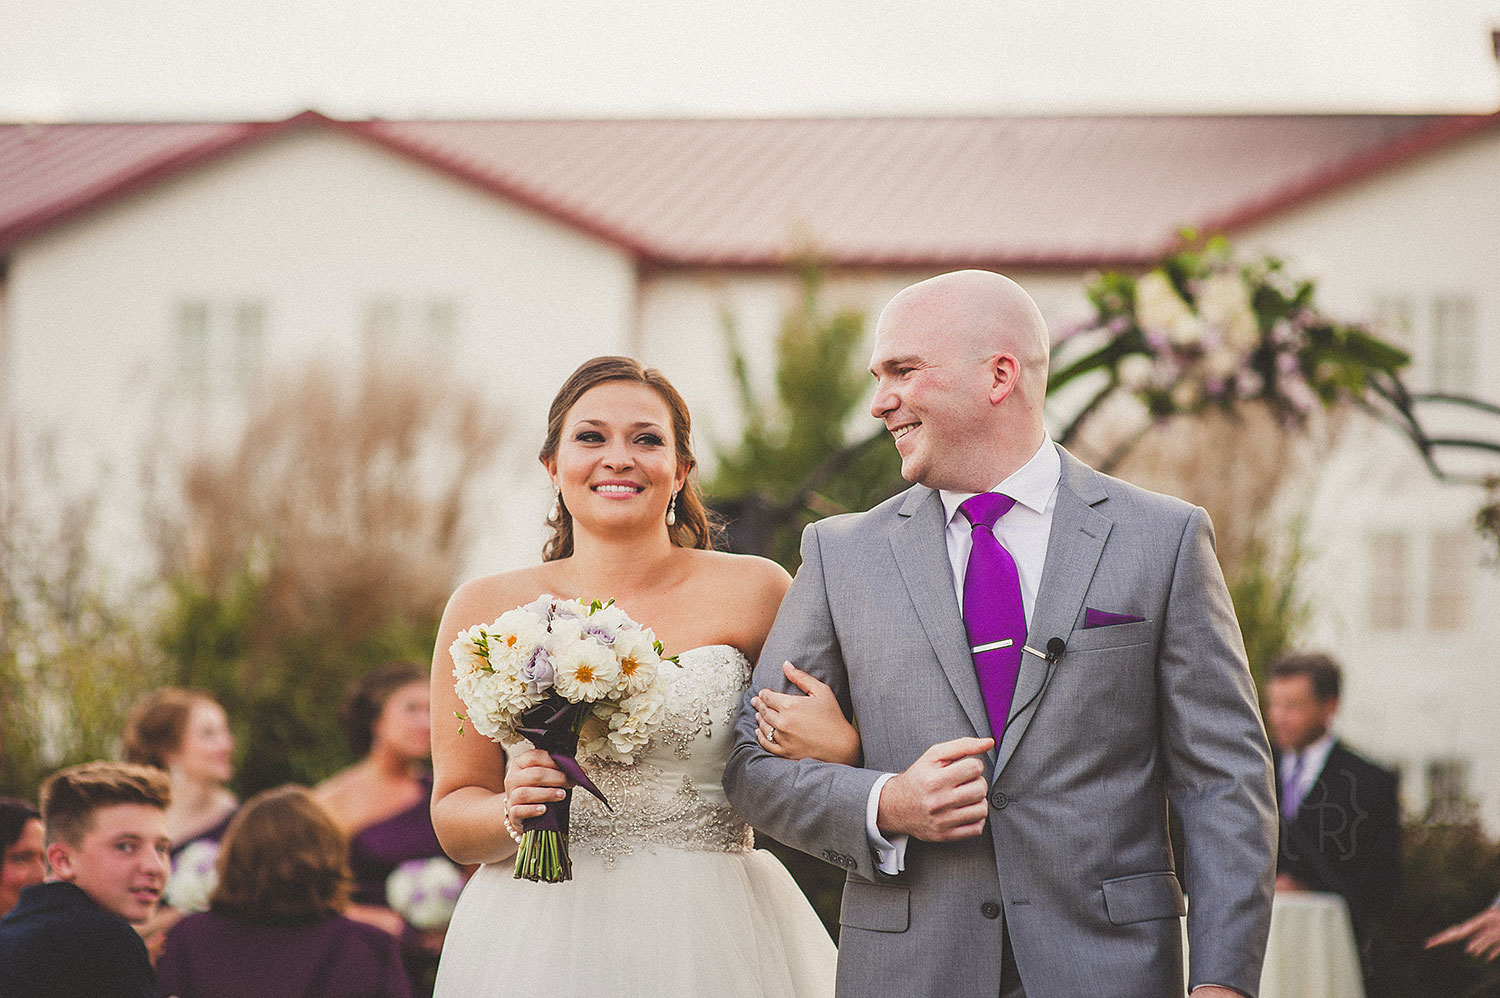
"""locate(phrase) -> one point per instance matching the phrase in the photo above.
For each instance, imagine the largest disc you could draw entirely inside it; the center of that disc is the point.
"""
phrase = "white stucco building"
(155, 274)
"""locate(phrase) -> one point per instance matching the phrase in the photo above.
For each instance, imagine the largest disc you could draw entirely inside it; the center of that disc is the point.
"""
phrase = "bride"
(668, 897)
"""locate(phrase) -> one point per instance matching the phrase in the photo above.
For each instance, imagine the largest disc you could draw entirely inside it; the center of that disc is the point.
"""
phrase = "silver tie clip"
(1006, 643)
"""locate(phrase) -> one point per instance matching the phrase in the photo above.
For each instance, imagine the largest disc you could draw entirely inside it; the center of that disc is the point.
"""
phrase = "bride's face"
(616, 460)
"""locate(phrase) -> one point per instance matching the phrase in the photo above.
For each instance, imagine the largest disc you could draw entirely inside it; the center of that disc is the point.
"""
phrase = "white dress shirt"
(1024, 531)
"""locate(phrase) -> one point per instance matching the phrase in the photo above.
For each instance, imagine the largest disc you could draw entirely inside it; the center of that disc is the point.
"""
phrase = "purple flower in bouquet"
(538, 673)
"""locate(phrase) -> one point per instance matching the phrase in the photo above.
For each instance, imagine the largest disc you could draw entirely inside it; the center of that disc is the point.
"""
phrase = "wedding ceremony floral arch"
(1204, 329)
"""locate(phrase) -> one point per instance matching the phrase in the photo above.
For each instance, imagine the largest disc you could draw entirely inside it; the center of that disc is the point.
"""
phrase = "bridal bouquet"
(576, 679)
(424, 891)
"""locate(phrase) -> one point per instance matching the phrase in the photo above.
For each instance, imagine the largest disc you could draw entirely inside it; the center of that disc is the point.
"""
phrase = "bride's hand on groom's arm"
(806, 725)
(942, 797)
(532, 780)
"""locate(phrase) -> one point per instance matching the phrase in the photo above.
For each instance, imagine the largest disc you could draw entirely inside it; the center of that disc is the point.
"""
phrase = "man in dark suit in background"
(1340, 817)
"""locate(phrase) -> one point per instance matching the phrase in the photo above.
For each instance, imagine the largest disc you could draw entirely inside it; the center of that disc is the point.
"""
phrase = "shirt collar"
(1316, 752)
(1031, 485)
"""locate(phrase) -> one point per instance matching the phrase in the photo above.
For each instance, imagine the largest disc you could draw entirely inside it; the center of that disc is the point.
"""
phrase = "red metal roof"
(1012, 191)
(49, 173)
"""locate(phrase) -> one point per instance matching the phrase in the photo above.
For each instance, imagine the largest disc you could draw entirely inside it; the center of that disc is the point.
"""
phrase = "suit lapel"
(921, 551)
(1073, 549)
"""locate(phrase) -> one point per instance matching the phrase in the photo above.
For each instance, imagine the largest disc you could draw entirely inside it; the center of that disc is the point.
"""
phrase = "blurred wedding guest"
(382, 802)
(276, 922)
(1340, 816)
(104, 825)
(185, 732)
(21, 851)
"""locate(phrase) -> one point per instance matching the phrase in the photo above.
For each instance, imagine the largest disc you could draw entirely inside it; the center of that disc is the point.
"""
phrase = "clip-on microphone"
(1054, 652)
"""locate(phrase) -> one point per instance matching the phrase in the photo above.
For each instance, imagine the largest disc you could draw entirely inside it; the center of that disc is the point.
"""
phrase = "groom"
(1008, 832)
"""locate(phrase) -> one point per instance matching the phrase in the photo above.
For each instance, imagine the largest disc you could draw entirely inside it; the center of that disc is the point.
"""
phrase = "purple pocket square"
(1103, 618)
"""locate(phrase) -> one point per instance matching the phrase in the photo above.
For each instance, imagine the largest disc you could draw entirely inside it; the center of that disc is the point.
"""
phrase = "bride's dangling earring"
(556, 506)
(672, 511)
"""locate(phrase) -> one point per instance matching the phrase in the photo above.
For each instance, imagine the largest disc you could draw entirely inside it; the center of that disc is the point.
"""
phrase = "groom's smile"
(902, 431)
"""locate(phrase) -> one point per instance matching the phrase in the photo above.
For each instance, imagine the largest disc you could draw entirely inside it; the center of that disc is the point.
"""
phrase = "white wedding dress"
(668, 897)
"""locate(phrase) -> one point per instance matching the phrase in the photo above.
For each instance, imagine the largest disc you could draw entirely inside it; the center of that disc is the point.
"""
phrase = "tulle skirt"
(668, 924)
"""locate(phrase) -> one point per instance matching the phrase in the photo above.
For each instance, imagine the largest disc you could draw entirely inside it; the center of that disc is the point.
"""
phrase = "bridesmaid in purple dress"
(185, 732)
(275, 924)
(382, 801)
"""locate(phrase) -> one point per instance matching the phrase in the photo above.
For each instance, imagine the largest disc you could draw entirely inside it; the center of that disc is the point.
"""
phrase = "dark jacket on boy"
(57, 943)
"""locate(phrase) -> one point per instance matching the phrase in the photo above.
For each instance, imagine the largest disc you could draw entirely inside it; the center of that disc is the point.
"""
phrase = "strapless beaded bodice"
(673, 795)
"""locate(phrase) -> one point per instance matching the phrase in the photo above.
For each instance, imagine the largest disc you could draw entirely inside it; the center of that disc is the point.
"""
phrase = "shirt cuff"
(890, 856)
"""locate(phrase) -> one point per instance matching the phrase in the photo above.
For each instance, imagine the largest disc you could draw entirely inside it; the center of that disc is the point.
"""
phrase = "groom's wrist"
(889, 811)
(890, 854)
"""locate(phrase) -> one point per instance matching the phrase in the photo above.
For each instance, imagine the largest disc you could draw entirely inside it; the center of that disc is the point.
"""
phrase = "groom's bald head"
(960, 363)
(980, 313)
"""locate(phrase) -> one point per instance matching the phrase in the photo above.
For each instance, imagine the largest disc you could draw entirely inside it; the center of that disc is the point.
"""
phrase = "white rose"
(1224, 302)
(612, 618)
(568, 609)
(1136, 371)
(1187, 331)
(1158, 306)
(631, 726)
(565, 631)
(593, 736)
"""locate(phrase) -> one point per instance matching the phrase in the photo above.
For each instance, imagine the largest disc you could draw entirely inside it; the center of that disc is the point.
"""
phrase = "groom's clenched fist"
(941, 796)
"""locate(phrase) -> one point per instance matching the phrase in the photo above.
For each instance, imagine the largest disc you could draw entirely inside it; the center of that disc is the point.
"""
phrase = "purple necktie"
(993, 613)
(1291, 788)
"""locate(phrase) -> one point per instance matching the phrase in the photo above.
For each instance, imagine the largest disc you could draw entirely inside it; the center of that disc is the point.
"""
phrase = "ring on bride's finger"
(771, 735)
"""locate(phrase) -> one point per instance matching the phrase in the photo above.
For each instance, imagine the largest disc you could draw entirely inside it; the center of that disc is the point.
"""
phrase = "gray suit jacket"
(1134, 716)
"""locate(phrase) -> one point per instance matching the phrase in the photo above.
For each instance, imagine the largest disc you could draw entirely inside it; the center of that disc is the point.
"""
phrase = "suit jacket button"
(990, 909)
(998, 800)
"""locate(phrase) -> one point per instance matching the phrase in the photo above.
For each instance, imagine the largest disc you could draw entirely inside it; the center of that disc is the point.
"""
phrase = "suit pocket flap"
(875, 907)
(1143, 896)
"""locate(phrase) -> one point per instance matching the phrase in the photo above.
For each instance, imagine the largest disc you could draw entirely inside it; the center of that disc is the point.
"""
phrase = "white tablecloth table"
(1310, 952)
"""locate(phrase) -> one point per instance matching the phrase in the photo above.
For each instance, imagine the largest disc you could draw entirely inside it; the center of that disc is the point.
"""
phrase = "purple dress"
(374, 853)
(214, 955)
(376, 850)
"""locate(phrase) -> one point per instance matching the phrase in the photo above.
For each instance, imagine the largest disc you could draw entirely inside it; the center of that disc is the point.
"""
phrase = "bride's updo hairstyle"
(693, 528)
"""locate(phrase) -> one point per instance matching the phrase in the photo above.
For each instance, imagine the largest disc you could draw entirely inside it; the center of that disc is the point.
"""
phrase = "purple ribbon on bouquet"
(553, 727)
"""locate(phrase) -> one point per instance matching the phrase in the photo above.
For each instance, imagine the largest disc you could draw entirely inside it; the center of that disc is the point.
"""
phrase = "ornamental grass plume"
(321, 540)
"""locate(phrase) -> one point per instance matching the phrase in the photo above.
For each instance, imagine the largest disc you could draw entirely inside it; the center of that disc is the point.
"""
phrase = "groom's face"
(932, 392)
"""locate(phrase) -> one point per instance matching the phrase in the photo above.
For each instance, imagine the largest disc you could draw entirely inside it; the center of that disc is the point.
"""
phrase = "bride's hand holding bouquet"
(573, 678)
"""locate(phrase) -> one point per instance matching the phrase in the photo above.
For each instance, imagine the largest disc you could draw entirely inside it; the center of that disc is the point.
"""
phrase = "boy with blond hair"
(107, 849)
